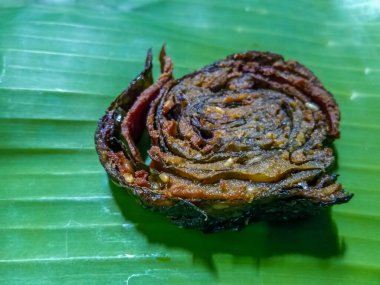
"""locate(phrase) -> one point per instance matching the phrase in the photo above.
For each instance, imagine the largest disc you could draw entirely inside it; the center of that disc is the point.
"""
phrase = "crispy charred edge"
(276, 71)
(109, 145)
(192, 214)
(123, 123)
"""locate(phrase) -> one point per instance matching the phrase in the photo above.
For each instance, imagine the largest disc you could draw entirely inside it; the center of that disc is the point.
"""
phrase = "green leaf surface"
(63, 62)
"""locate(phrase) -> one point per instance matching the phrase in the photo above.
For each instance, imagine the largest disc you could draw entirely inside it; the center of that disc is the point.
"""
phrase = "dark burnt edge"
(190, 215)
(272, 207)
(108, 132)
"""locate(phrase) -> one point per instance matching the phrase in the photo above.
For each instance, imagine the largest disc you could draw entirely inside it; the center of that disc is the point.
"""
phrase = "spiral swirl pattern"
(243, 139)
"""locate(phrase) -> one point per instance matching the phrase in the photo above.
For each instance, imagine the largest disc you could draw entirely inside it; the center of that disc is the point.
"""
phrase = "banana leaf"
(61, 219)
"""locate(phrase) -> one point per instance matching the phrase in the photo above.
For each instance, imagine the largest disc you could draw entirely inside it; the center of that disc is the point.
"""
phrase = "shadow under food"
(316, 236)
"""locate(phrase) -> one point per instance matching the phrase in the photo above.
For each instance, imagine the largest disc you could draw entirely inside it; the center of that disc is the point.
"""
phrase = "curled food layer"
(240, 140)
